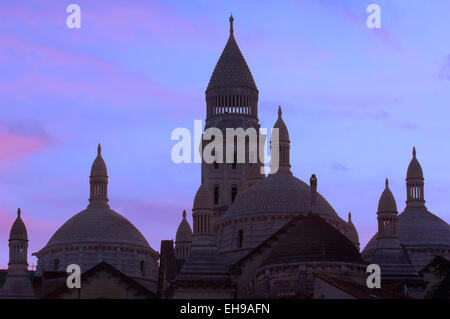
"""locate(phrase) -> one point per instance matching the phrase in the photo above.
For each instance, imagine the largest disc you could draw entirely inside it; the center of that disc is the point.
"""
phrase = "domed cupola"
(183, 239)
(202, 198)
(184, 231)
(18, 229)
(387, 201)
(231, 89)
(280, 159)
(99, 181)
(17, 284)
(283, 132)
(422, 233)
(99, 234)
(414, 168)
(415, 183)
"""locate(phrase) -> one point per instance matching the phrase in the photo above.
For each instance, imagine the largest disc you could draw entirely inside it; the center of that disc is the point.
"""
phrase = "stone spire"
(284, 165)
(98, 181)
(18, 282)
(415, 183)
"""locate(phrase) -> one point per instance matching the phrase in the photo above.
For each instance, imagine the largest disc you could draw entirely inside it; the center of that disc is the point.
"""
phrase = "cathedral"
(253, 235)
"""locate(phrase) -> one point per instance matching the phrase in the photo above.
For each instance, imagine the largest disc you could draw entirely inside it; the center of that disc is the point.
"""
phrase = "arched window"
(142, 264)
(240, 238)
(233, 193)
(216, 195)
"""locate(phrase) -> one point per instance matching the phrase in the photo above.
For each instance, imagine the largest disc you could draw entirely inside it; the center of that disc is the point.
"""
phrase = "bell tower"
(231, 103)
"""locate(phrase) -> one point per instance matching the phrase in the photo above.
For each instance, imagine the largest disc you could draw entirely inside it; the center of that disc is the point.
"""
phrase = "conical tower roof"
(231, 70)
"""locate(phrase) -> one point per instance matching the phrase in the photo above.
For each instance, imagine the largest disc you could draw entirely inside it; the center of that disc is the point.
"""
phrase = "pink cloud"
(65, 74)
(15, 146)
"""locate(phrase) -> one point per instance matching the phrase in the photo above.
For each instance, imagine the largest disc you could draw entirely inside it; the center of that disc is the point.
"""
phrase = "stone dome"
(18, 229)
(387, 201)
(417, 227)
(414, 168)
(184, 231)
(202, 199)
(278, 194)
(98, 225)
(313, 240)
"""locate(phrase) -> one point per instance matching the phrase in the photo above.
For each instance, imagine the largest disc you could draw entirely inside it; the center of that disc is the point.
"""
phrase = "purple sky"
(355, 101)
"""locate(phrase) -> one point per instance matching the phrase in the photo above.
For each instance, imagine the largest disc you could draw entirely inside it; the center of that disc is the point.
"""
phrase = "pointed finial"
(349, 216)
(387, 183)
(18, 212)
(184, 214)
(231, 23)
(279, 111)
(414, 151)
(99, 149)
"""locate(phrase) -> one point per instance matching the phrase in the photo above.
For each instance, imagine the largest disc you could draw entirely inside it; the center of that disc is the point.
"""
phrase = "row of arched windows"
(234, 191)
(415, 191)
(239, 104)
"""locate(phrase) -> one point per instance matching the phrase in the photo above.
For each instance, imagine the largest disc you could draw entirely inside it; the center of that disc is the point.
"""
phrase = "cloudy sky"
(354, 99)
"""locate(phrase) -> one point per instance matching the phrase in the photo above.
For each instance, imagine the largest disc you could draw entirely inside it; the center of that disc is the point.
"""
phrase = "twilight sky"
(355, 101)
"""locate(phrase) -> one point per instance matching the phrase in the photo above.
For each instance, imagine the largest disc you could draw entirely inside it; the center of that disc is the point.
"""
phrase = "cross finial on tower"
(279, 111)
(184, 214)
(387, 182)
(414, 151)
(231, 23)
(18, 212)
(99, 149)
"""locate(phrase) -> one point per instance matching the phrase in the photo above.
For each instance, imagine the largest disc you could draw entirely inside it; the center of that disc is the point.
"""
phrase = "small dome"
(184, 232)
(202, 199)
(417, 227)
(98, 225)
(387, 201)
(313, 240)
(18, 229)
(278, 193)
(231, 70)
(414, 168)
(283, 132)
(98, 166)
